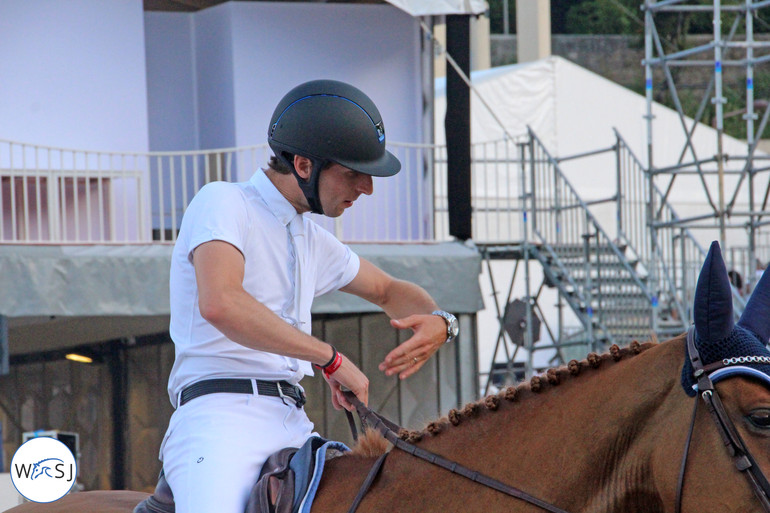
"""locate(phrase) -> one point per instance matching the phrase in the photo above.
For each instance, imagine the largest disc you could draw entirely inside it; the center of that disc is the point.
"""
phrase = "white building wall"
(225, 68)
(73, 74)
(279, 45)
(94, 75)
(171, 88)
(213, 44)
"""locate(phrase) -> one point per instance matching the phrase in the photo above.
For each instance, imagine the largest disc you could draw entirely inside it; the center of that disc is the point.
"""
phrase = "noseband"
(740, 454)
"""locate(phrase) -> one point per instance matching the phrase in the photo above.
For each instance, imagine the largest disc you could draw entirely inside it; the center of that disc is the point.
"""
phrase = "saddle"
(287, 482)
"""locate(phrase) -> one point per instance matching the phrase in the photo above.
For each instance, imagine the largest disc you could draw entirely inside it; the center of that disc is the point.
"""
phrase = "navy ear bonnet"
(740, 347)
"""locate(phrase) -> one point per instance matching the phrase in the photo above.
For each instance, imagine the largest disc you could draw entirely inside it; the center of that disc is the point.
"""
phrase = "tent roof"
(413, 7)
(573, 110)
(434, 7)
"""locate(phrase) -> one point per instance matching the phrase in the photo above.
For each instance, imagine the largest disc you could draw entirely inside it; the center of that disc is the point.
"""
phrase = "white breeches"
(216, 444)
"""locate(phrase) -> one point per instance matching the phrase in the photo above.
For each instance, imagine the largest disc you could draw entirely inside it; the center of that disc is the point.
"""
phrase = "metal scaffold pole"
(731, 213)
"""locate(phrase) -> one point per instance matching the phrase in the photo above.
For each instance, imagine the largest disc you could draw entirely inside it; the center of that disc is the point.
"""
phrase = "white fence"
(55, 195)
(64, 196)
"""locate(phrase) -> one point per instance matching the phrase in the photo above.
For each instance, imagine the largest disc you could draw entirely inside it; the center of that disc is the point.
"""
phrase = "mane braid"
(537, 384)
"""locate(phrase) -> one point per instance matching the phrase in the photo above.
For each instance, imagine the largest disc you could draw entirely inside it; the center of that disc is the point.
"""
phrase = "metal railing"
(56, 195)
(592, 267)
(495, 190)
(64, 196)
(670, 251)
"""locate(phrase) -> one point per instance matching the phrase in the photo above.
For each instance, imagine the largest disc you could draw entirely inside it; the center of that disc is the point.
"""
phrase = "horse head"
(735, 356)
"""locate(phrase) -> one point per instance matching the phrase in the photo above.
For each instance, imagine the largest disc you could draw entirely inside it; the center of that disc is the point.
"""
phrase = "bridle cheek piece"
(740, 454)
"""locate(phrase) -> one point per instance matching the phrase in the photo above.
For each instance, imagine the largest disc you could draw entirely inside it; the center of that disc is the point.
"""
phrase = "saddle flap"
(274, 490)
(161, 501)
(290, 477)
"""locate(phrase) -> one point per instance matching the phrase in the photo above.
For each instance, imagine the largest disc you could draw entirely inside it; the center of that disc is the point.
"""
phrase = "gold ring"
(414, 361)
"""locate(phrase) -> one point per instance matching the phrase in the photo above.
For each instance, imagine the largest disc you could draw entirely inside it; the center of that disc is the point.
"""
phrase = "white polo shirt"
(254, 217)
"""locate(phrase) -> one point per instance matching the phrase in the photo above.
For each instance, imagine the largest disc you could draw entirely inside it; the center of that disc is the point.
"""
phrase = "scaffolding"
(737, 207)
(666, 213)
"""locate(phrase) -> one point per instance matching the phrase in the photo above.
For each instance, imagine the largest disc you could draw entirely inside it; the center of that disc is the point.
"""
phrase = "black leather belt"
(282, 389)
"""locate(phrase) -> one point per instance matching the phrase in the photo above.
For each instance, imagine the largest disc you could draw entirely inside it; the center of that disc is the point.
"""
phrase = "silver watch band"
(452, 326)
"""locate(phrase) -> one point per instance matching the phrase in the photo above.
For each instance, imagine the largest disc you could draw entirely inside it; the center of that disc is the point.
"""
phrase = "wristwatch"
(452, 327)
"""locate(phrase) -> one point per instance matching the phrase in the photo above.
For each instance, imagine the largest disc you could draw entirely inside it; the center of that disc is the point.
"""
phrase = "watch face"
(454, 328)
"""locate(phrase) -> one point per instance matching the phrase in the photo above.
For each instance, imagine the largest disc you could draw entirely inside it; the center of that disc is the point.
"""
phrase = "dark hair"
(736, 279)
(278, 165)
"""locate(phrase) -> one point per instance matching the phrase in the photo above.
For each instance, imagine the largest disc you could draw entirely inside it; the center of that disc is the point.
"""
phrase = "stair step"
(579, 249)
(604, 280)
(610, 307)
(608, 265)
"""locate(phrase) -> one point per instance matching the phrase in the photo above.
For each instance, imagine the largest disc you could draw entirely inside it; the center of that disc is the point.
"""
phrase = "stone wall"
(619, 58)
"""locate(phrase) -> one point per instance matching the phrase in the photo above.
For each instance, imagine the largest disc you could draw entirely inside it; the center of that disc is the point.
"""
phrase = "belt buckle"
(299, 402)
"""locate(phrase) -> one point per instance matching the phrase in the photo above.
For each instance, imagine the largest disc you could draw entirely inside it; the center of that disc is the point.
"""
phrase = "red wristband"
(331, 360)
(333, 366)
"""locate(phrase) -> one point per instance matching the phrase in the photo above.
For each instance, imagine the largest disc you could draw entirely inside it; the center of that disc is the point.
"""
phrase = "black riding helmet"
(330, 121)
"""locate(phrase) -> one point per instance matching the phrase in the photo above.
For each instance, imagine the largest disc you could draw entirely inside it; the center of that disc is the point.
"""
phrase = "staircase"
(618, 302)
(602, 279)
(623, 287)
(631, 285)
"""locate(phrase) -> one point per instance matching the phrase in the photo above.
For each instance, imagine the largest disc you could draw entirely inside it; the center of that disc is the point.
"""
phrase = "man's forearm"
(246, 321)
(403, 298)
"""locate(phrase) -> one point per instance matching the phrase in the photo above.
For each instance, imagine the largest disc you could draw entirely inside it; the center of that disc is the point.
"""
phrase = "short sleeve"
(337, 264)
(217, 212)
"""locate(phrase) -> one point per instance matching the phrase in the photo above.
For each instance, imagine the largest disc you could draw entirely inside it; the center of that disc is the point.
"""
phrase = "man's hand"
(351, 377)
(429, 335)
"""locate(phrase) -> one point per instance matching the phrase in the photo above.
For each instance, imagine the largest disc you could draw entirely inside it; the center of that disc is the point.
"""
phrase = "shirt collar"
(278, 205)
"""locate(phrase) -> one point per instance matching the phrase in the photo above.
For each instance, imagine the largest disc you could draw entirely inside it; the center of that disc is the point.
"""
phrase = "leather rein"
(389, 430)
(740, 454)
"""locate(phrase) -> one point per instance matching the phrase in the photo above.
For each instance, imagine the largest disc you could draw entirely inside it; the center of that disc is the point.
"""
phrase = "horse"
(616, 432)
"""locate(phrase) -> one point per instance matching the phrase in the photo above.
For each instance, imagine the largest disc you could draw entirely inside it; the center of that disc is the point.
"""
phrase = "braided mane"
(537, 384)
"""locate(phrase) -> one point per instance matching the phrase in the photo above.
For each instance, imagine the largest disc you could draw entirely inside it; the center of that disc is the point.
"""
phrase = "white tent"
(573, 110)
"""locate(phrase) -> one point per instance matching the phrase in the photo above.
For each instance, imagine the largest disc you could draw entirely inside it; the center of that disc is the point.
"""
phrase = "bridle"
(740, 454)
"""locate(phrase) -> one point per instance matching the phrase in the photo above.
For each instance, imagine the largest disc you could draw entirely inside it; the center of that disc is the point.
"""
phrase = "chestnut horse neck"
(616, 400)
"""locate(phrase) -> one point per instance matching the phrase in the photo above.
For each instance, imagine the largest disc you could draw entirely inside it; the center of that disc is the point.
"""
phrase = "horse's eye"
(760, 418)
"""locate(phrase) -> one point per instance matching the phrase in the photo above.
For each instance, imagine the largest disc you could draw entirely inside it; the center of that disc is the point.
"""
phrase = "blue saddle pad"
(307, 465)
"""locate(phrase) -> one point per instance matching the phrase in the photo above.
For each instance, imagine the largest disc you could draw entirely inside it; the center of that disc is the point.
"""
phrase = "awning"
(436, 7)
(84, 281)
(64, 296)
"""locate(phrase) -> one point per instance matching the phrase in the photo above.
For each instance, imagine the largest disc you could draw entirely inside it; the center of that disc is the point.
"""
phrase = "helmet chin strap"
(310, 187)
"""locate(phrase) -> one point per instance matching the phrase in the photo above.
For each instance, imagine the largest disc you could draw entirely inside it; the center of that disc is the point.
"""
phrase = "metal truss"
(731, 185)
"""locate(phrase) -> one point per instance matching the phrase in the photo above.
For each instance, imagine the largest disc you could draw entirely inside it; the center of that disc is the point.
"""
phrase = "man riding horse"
(244, 271)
